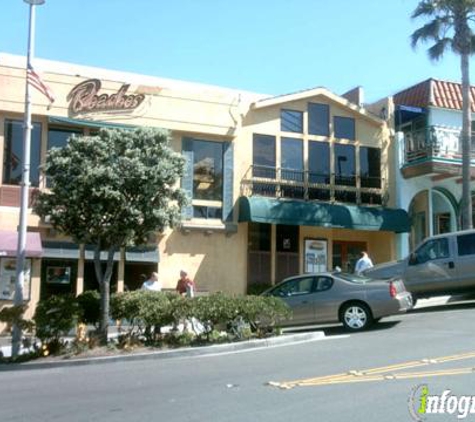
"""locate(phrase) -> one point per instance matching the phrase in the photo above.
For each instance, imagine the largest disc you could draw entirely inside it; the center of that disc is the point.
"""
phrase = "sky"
(271, 47)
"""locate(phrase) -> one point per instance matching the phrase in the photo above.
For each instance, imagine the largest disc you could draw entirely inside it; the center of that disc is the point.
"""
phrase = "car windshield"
(353, 278)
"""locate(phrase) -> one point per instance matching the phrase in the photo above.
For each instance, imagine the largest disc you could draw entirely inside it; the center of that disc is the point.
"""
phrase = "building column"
(121, 271)
(430, 212)
(80, 277)
(273, 253)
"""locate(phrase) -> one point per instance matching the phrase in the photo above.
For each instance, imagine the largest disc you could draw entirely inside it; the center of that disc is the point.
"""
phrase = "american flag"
(35, 81)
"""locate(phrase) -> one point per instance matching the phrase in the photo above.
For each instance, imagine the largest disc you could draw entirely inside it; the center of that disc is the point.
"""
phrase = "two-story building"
(428, 121)
(278, 185)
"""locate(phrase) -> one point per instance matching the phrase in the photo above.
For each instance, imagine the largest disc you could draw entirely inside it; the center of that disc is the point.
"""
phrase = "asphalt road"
(235, 388)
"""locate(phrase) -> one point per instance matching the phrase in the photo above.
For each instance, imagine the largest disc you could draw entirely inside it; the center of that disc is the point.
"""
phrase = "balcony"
(309, 186)
(434, 150)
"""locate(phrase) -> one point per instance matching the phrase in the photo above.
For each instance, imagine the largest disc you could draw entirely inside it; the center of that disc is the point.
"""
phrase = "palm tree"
(449, 27)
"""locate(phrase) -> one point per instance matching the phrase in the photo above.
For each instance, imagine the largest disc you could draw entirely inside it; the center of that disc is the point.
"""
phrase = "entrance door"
(345, 254)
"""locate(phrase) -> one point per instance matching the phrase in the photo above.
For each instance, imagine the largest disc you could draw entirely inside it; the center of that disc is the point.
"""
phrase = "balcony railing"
(434, 142)
(306, 185)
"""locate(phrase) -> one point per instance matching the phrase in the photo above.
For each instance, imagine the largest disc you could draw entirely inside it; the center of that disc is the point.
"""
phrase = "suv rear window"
(466, 244)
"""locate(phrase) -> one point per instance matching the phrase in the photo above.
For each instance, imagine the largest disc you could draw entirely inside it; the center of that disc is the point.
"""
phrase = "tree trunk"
(467, 222)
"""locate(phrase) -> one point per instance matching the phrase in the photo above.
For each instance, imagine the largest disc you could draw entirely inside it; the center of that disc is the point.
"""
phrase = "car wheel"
(414, 300)
(356, 316)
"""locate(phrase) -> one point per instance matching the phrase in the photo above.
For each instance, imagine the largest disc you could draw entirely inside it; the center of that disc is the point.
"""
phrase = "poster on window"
(58, 275)
(315, 256)
(8, 278)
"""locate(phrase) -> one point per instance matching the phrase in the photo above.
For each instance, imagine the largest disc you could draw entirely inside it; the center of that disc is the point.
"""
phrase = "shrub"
(89, 304)
(54, 318)
(14, 315)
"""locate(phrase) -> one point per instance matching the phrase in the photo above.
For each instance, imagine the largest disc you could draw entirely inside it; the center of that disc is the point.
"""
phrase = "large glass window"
(58, 138)
(13, 153)
(263, 156)
(207, 170)
(344, 127)
(319, 162)
(345, 169)
(292, 159)
(291, 121)
(370, 167)
(318, 119)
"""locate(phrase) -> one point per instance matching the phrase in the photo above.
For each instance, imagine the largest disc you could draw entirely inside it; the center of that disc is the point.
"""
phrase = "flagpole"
(25, 182)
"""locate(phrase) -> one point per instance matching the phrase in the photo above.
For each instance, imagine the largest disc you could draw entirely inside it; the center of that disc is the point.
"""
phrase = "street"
(235, 387)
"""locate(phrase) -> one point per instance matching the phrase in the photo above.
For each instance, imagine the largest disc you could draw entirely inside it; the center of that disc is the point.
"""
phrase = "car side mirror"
(413, 259)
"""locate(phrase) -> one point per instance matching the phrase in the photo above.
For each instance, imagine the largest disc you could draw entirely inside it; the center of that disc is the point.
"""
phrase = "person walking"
(152, 284)
(185, 286)
(363, 263)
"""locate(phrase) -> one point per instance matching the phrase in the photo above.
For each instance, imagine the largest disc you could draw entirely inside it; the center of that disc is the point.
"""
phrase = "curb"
(284, 340)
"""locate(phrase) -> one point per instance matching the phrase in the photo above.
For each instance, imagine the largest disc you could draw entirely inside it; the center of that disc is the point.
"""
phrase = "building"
(279, 185)
(428, 121)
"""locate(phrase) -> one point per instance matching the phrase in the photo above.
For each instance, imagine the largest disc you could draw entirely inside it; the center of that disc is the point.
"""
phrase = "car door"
(431, 267)
(465, 262)
(326, 302)
(298, 293)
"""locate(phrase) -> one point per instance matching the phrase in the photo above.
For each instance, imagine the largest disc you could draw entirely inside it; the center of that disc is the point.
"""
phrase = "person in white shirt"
(152, 284)
(363, 263)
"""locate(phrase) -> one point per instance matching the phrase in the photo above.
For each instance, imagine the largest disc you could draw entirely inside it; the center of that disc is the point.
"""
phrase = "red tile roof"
(435, 93)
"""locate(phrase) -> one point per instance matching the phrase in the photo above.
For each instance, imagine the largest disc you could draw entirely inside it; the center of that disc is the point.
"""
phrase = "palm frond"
(429, 32)
(425, 8)
(437, 51)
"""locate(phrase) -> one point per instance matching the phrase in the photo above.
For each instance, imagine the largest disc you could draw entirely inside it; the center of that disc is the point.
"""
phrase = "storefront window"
(8, 278)
(13, 153)
(207, 170)
(58, 138)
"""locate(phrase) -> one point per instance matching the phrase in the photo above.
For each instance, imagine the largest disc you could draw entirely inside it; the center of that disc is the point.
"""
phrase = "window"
(370, 167)
(263, 156)
(259, 237)
(323, 283)
(292, 159)
(431, 250)
(345, 169)
(466, 244)
(207, 212)
(291, 121)
(344, 127)
(318, 119)
(319, 162)
(58, 138)
(207, 170)
(13, 153)
(300, 286)
(287, 238)
(8, 277)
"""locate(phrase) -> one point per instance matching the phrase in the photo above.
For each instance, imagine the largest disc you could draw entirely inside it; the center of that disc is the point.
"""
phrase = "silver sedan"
(353, 300)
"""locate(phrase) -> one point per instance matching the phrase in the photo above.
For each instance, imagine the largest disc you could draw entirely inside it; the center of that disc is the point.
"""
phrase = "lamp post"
(25, 182)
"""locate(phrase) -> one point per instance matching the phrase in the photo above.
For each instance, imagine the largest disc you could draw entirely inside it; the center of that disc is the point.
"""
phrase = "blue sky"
(265, 46)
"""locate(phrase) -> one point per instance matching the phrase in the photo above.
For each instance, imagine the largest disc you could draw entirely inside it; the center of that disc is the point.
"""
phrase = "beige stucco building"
(279, 185)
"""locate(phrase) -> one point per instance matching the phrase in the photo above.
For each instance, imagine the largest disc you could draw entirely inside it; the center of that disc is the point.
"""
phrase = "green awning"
(88, 123)
(299, 213)
(69, 250)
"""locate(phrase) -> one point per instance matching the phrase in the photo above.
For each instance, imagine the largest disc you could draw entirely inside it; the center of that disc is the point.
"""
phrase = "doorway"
(345, 254)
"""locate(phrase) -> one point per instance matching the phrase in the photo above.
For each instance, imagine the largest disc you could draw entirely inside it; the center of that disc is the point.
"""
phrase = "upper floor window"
(345, 168)
(319, 162)
(263, 156)
(344, 127)
(207, 170)
(291, 121)
(291, 152)
(370, 167)
(13, 153)
(318, 119)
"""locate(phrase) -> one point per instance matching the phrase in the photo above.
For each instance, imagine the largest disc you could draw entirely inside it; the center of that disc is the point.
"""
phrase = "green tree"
(112, 190)
(448, 27)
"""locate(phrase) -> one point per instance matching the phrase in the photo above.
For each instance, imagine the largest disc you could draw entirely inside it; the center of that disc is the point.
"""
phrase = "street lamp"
(25, 182)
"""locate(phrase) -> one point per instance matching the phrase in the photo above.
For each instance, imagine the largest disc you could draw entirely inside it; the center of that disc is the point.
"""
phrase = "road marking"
(384, 373)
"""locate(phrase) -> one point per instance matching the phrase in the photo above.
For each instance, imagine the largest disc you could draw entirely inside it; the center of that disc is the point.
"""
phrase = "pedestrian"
(185, 286)
(363, 263)
(152, 284)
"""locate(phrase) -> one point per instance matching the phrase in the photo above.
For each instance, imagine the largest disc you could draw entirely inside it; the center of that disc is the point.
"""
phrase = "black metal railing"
(278, 182)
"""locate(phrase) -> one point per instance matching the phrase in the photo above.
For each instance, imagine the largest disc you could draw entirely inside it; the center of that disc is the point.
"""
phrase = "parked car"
(353, 300)
(440, 265)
